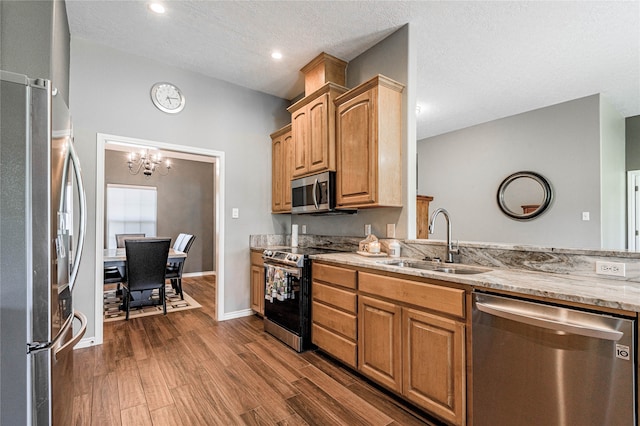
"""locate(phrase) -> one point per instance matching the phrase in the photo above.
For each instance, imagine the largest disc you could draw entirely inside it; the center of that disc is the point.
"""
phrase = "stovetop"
(294, 256)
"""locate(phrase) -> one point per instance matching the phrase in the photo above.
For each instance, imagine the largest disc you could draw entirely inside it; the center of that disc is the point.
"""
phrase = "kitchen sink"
(436, 267)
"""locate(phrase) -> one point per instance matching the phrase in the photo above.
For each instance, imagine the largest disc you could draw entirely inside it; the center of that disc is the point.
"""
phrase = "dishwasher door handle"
(526, 318)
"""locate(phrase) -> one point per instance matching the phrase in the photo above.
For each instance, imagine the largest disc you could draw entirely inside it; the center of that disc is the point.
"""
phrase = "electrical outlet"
(615, 269)
(391, 230)
(367, 229)
(304, 229)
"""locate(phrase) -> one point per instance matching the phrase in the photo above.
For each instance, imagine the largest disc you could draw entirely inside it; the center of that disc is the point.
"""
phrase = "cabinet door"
(300, 133)
(379, 341)
(257, 288)
(434, 364)
(277, 201)
(356, 142)
(287, 170)
(318, 145)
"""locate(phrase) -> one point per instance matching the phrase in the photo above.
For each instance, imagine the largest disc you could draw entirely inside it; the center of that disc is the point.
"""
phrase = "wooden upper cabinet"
(281, 169)
(313, 131)
(369, 145)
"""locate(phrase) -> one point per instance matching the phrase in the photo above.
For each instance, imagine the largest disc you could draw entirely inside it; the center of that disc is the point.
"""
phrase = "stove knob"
(293, 258)
(268, 253)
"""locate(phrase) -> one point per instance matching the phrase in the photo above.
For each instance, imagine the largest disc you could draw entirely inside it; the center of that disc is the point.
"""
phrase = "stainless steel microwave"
(314, 194)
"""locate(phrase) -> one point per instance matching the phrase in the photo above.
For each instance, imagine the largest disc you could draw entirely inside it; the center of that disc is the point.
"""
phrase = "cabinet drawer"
(335, 320)
(334, 275)
(342, 299)
(337, 346)
(443, 299)
(256, 258)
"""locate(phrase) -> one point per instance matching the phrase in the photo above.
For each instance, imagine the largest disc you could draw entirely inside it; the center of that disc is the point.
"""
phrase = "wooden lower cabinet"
(411, 339)
(333, 312)
(257, 282)
(380, 341)
(434, 364)
(408, 336)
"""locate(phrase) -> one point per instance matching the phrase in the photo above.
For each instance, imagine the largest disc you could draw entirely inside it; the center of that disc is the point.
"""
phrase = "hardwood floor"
(188, 369)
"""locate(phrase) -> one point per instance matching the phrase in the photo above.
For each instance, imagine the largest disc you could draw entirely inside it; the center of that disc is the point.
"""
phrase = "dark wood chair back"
(146, 262)
(146, 266)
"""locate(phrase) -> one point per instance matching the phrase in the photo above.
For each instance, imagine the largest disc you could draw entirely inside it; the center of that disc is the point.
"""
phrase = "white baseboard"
(86, 343)
(238, 314)
(199, 274)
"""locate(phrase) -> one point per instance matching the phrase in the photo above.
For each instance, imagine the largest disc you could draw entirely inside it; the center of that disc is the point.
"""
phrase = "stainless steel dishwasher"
(537, 364)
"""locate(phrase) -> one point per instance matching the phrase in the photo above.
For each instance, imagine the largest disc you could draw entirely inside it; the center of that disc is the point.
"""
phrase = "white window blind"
(131, 210)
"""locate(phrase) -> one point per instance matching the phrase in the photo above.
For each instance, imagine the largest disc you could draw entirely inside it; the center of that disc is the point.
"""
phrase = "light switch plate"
(235, 213)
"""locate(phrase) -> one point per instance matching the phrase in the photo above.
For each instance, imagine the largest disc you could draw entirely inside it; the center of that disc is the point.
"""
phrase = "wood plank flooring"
(188, 369)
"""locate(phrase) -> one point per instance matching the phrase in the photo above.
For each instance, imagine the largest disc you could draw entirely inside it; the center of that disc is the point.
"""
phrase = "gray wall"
(185, 203)
(391, 57)
(463, 169)
(34, 40)
(110, 94)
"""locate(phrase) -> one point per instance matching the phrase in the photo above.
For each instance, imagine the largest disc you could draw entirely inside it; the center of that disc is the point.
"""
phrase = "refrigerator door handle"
(58, 352)
(526, 318)
(83, 215)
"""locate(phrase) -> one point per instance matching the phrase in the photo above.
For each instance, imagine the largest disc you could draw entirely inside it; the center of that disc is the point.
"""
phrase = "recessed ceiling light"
(276, 55)
(156, 7)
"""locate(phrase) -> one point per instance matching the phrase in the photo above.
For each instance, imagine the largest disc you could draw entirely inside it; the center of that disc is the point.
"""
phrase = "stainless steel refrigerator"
(41, 241)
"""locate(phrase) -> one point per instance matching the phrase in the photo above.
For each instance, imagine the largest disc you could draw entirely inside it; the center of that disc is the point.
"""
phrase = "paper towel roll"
(294, 235)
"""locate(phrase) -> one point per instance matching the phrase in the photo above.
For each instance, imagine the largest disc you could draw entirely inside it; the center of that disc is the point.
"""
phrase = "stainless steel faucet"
(450, 250)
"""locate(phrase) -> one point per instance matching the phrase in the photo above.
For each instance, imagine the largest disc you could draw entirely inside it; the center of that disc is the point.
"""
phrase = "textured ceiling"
(477, 61)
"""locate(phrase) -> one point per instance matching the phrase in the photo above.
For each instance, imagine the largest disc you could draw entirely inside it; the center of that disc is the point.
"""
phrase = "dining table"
(118, 258)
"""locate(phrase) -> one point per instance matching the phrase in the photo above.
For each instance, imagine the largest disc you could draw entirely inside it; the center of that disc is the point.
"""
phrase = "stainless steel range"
(287, 306)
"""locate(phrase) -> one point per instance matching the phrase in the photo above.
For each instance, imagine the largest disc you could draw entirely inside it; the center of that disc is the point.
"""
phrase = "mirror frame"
(546, 187)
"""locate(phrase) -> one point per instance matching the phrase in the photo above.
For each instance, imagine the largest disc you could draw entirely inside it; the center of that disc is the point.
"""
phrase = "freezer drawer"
(537, 364)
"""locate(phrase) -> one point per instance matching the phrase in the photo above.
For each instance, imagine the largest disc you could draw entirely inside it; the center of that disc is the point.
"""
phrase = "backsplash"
(531, 258)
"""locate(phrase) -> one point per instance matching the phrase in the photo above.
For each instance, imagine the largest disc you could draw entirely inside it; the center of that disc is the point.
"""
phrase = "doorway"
(216, 158)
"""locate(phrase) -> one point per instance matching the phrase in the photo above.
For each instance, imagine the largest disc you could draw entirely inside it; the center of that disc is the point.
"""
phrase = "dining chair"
(113, 274)
(174, 270)
(146, 264)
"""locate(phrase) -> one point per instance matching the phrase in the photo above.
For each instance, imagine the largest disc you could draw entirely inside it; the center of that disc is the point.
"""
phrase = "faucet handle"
(455, 249)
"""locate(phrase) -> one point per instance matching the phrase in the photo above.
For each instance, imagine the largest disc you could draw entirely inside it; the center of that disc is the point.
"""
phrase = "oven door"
(282, 296)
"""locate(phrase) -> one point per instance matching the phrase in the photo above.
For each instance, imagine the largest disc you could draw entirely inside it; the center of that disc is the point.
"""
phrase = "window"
(131, 210)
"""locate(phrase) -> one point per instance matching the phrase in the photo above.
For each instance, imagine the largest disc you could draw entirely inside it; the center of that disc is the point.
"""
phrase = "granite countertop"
(600, 292)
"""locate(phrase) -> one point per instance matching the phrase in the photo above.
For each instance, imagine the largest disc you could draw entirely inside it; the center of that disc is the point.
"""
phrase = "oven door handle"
(288, 271)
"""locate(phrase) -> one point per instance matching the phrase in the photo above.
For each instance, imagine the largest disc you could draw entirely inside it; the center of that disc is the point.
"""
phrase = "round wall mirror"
(524, 195)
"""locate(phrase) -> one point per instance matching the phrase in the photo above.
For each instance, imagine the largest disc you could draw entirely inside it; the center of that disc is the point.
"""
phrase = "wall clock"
(167, 97)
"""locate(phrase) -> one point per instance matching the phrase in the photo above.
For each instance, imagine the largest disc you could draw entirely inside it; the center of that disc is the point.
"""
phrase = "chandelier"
(148, 163)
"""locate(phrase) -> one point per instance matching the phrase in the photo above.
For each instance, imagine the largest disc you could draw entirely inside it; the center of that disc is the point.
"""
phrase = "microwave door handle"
(315, 191)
